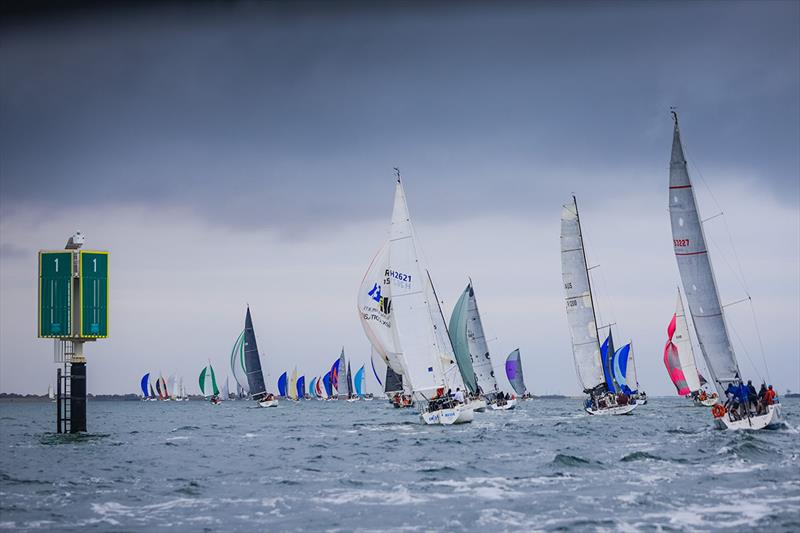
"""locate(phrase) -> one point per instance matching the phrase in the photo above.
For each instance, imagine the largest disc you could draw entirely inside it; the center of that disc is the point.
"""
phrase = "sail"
(202, 381)
(514, 372)
(144, 383)
(697, 276)
(282, 385)
(326, 381)
(172, 386)
(375, 369)
(580, 309)
(683, 344)
(393, 382)
(606, 356)
(444, 346)
(301, 387)
(349, 381)
(226, 392)
(255, 377)
(334, 374)
(458, 336)
(214, 388)
(238, 366)
(343, 377)
(470, 327)
(623, 369)
(375, 309)
(672, 361)
(358, 382)
(423, 351)
(51, 394)
(152, 392)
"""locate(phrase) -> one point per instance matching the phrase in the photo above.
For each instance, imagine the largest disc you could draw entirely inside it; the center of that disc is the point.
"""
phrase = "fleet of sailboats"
(445, 369)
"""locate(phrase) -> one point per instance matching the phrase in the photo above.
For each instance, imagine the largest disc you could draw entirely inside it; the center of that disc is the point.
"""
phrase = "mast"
(586, 265)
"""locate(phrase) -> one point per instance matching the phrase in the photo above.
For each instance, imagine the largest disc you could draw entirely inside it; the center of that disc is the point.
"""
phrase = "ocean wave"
(573, 461)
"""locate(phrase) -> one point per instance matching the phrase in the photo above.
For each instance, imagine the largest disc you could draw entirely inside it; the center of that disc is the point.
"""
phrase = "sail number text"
(680, 242)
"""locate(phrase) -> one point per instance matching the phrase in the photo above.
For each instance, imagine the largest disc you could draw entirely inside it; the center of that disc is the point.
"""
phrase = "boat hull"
(708, 402)
(772, 419)
(268, 403)
(510, 404)
(461, 414)
(609, 411)
(479, 406)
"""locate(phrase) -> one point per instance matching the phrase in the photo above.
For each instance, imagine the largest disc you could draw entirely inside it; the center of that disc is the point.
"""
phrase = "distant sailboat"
(326, 382)
(472, 353)
(700, 288)
(586, 348)
(402, 320)
(51, 395)
(208, 383)
(359, 382)
(514, 374)
(350, 395)
(301, 388)
(255, 377)
(143, 384)
(282, 382)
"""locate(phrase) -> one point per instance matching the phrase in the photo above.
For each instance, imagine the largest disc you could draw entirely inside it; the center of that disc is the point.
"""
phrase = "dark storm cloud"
(288, 114)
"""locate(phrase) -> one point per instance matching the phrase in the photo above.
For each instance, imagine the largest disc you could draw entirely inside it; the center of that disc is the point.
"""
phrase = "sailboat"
(515, 376)
(700, 288)
(51, 394)
(179, 393)
(239, 367)
(359, 383)
(152, 397)
(208, 384)
(586, 348)
(680, 362)
(472, 354)
(327, 392)
(282, 383)
(291, 386)
(226, 391)
(404, 323)
(143, 384)
(173, 387)
(301, 388)
(351, 397)
(252, 366)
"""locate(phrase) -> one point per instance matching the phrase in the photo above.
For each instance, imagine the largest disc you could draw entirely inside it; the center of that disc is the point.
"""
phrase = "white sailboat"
(51, 394)
(586, 349)
(403, 321)
(700, 288)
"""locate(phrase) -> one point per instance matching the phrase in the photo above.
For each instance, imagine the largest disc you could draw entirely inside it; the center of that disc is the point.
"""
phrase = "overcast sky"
(242, 153)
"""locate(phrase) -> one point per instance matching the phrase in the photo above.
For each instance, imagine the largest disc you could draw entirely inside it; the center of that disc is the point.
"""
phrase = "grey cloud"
(289, 115)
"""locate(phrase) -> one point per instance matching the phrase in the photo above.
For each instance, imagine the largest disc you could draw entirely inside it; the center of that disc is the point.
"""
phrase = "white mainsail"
(696, 273)
(580, 309)
(478, 348)
(682, 340)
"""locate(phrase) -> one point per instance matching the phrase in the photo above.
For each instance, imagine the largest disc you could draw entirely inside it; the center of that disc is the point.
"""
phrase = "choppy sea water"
(338, 466)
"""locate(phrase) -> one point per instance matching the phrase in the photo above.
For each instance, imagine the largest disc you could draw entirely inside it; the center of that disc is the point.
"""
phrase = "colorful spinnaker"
(208, 382)
(326, 381)
(282, 385)
(312, 387)
(514, 372)
(679, 354)
(144, 383)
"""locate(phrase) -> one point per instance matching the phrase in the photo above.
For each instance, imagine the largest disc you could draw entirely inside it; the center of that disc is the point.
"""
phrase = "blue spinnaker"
(282, 385)
(605, 356)
(145, 379)
(301, 387)
(357, 381)
(327, 382)
(312, 388)
(621, 368)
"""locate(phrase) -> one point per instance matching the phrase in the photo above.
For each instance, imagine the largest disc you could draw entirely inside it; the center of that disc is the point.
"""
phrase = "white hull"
(268, 403)
(772, 419)
(461, 414)
(510, 404)
(368, 399)
(479, 406)
(352, 399)
(619, 410)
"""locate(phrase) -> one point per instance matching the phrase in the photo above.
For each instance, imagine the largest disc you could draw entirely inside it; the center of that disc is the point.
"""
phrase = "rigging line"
(760, 342)
(746, 353)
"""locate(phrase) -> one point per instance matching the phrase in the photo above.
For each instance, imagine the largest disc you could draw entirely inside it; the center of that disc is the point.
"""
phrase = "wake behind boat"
(700, 288)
